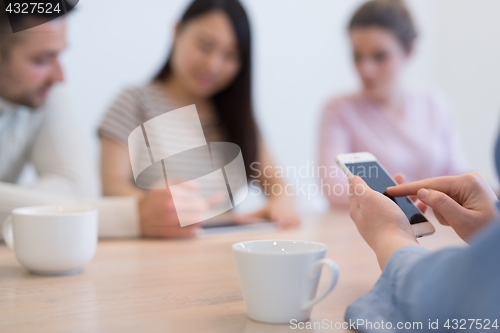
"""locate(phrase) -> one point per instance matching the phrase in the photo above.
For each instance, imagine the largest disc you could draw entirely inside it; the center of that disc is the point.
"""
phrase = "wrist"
(388, 243)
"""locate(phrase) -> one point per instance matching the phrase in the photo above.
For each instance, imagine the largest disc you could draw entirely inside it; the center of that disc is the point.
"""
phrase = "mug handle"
(8, 234)
(334, 270)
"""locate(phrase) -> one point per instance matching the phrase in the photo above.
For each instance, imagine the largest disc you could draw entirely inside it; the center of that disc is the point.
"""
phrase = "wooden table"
(179, 285)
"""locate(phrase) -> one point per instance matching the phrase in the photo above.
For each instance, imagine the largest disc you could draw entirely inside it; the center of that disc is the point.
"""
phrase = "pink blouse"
(421, 142)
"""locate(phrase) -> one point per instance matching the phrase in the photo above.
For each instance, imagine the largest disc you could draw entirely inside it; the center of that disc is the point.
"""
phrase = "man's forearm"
(118, 216)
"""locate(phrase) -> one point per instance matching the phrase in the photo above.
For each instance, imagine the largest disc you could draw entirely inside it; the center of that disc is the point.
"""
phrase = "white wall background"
(468, 71)
(301, 58)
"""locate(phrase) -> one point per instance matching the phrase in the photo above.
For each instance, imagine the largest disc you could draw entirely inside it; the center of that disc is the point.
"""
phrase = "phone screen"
(379, 180)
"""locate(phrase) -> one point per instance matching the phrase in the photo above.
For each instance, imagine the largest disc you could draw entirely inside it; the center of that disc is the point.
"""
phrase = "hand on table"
(466, 202)
(379, 220)
(158, 215)
(278, 209)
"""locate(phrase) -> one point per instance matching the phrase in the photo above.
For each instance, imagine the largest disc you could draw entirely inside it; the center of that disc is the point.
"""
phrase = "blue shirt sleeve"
(446, 287)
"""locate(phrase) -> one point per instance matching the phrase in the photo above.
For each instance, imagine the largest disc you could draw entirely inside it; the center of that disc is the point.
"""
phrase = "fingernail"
(422, 193)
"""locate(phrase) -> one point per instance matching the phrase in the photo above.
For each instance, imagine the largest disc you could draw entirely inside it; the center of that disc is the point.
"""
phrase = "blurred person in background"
(39, 128)
(37, 125)
(209, 66)
(410, 132)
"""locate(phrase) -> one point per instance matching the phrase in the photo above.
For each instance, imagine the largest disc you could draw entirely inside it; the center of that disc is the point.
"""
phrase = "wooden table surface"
(186, 285)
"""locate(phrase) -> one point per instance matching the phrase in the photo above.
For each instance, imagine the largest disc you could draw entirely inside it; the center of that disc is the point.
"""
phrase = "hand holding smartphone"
(366, 166)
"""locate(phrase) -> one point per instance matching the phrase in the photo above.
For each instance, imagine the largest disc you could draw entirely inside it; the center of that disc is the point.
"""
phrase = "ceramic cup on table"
(279, 278)
(52, 240)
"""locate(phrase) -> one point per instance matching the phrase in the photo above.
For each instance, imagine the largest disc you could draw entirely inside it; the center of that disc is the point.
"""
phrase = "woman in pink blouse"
(410, 132)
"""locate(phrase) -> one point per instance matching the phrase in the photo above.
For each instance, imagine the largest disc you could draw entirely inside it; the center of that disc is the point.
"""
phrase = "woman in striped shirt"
(209, 66)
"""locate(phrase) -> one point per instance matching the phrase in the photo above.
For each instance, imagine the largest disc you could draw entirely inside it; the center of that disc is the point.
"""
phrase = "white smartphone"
(366, 166)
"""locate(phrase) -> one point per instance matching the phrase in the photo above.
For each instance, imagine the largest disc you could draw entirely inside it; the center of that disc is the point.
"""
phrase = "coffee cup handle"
(8, 234)
(334, 270)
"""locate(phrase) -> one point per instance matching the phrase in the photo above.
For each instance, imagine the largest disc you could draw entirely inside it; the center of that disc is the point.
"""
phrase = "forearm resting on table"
(118, 216)
(122, 189)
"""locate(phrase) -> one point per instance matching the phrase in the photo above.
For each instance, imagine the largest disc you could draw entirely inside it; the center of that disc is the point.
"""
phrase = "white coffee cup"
(52, 240)
(279, 278)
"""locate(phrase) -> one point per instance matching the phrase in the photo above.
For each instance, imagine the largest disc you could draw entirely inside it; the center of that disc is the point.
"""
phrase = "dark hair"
(233, 105)
(14, 22)
(392, 15)
(6, 35)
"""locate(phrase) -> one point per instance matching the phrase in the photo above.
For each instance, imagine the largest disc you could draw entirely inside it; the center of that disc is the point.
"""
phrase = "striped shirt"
(134, 106)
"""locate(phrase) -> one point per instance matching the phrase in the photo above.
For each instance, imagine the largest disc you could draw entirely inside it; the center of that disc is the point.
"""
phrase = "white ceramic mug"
(279, 278)
(52, 239)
